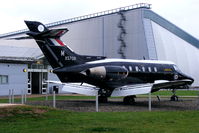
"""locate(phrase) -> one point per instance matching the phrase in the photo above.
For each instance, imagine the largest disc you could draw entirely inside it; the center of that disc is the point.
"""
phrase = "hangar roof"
(146, 13)
(21, 53)
(24, 52)
(171, 27)
(80, 18)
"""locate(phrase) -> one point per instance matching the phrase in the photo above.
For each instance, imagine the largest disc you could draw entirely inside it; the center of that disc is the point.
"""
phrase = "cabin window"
(136, 68)
(143, 69)
(155, 69)
(176, 68)
(149, 69)
(130, 68)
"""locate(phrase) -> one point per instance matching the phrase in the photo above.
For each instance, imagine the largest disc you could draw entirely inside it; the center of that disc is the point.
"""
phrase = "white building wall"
(171, 47)
(17, 79)
(150, 39)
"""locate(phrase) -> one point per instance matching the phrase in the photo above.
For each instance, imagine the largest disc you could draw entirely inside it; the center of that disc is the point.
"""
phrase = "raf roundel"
(40, 28)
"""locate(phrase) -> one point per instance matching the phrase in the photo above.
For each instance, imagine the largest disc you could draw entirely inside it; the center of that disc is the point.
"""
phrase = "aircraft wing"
(132, 90)
(91, 90)
(84, 89)
(81, 89)
(171, 84)
(127, 90)
(147, 88)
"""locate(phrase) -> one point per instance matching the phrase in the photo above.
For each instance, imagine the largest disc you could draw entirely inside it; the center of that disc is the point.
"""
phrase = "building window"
(3, 79)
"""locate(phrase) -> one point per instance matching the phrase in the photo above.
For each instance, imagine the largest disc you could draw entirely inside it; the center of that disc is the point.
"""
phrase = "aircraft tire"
(129, 100)
(174, 98)
(103, 99)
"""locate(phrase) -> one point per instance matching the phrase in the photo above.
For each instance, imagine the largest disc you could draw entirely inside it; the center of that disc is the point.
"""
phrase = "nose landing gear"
(174, 97)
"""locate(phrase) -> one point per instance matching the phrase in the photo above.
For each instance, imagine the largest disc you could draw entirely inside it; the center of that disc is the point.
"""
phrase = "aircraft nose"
(191, 79)
(184, 76)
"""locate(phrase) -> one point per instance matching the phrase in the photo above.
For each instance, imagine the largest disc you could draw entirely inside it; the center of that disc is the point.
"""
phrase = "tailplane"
(57, 53)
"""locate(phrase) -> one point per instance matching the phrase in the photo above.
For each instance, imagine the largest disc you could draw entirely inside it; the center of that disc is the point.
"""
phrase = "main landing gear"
(129, 99)
(174, 97)
(103, 99)
(104, 94)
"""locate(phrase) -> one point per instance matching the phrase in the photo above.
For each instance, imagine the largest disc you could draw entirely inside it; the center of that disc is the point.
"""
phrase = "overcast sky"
(183, 13)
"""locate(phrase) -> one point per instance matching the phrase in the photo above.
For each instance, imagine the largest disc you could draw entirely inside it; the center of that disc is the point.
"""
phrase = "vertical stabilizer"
(56, 52)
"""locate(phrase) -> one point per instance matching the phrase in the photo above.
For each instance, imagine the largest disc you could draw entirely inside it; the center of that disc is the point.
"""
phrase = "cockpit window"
(176, 68)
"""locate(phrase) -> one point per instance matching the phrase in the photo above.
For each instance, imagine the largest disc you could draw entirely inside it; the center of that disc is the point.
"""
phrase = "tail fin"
(56, 52)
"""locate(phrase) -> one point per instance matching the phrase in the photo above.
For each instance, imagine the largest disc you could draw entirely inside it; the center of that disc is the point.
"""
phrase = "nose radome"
(187, 77)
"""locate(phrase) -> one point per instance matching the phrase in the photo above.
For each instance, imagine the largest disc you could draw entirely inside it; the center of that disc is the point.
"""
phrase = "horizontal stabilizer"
(53, 33)
(38, 30)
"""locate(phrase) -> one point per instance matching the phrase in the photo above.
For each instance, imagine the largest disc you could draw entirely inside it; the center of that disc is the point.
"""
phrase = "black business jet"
(107, 77)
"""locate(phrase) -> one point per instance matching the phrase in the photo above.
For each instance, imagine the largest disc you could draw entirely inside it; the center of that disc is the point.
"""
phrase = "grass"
(178, 92)
(25, 119)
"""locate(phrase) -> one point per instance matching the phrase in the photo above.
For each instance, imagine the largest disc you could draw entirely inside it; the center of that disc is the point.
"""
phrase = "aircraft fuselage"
(112, 73)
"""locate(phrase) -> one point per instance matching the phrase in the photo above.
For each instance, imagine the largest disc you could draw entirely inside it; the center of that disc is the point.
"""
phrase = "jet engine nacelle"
(108, 72)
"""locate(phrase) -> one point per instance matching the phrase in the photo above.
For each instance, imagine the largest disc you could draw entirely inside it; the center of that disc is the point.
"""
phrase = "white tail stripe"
(57, 42)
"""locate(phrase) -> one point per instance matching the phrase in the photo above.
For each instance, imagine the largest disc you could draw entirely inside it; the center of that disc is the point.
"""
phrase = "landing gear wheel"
(129, 100)
(103, 99)
(174, 98)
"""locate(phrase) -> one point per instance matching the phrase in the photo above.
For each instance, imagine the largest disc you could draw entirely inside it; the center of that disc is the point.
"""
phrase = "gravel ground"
(116, 105)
